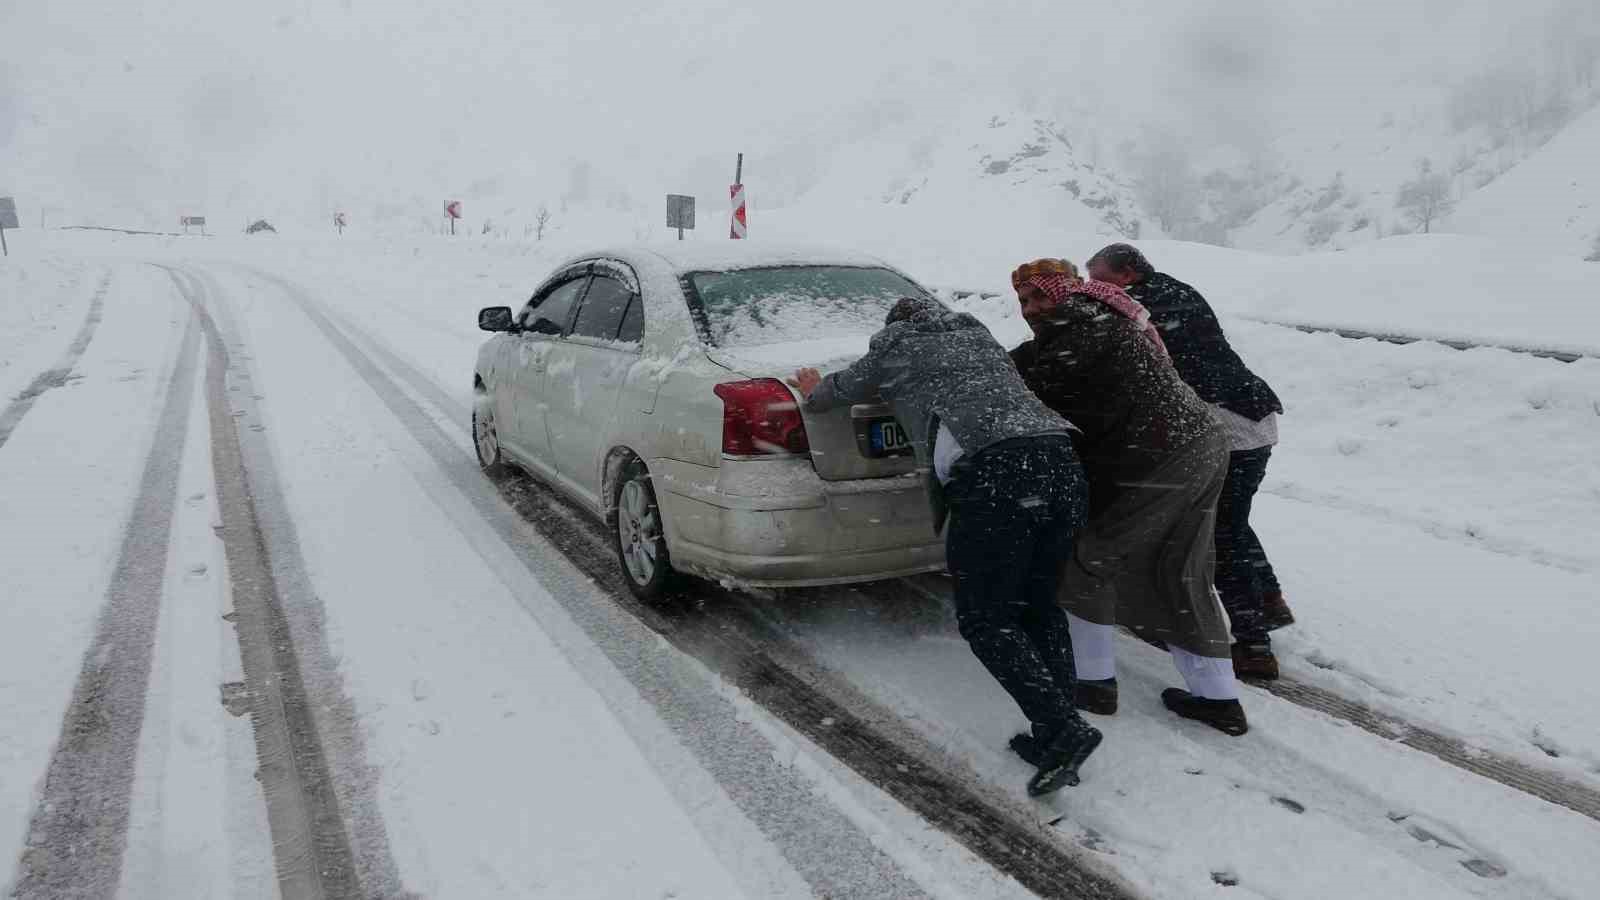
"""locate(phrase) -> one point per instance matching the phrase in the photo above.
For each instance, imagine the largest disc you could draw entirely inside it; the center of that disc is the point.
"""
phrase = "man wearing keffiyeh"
(1155, 458)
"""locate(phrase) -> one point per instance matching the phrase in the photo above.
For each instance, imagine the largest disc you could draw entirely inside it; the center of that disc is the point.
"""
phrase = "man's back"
(1200, 351)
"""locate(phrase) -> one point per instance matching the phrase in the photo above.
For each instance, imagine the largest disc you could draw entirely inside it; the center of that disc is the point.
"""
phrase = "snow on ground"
(68, 476)
(199, 826)
(1430, 511)
(1169, 802)
(504, 773)
(43, 299)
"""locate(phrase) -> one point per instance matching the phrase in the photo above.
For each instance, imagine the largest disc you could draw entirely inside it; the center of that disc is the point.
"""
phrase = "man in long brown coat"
(1155, 458)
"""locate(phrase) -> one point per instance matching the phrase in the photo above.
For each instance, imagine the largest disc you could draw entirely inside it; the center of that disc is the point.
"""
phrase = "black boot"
(1059, 761)
(1098, 697)
(1031, 746)
(1226, 716)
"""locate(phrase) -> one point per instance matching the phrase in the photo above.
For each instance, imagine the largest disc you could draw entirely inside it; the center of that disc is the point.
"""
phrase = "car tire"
(638, 534)
(486, 437)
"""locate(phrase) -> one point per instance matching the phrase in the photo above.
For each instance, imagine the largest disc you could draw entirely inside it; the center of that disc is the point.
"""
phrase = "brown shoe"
(1254, 661)
(1275, 612)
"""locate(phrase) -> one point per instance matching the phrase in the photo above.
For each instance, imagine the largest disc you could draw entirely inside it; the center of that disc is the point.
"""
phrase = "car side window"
(632, 330)
(556, 305)
(603, 308)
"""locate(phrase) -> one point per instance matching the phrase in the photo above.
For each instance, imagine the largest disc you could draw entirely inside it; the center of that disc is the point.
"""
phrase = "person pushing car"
(1001, 468)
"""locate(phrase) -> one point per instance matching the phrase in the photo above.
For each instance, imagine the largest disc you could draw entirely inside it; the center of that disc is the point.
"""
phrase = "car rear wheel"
(486, 437)
(640, 539)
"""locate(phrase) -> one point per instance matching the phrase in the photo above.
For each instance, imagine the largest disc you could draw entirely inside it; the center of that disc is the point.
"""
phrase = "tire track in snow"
(851, 732)
(315, 856)
(56, 375)
(78, 831)
(1547, 786)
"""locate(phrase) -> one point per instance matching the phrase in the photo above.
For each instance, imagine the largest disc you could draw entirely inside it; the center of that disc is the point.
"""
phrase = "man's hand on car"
(806, 380)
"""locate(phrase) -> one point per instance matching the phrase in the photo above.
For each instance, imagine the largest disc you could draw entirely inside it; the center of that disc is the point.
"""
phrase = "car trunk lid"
(859, 441)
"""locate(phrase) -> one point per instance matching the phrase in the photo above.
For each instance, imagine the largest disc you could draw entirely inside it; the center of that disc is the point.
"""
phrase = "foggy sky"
(137, 108)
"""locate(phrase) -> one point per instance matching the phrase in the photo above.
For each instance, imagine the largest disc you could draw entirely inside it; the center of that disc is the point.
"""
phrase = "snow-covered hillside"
(1552, 198)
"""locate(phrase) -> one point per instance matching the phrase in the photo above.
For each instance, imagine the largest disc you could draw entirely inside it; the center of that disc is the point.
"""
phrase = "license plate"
(886, 437)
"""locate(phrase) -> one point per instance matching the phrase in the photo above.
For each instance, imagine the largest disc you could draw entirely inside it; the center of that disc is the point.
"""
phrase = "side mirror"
(495, 318)
(542, 325)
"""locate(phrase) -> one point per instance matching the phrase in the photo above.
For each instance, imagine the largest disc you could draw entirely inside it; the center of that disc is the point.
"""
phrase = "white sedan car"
(647, 384)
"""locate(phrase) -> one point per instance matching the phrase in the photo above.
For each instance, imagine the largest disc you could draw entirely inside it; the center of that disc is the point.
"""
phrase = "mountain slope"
(1553, 197)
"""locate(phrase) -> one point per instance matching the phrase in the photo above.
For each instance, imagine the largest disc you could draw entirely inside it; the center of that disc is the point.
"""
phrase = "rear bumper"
(809, 569)
(774, 523)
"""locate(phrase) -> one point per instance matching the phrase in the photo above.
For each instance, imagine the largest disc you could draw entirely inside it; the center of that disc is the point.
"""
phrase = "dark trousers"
(1243, 571)
(1014, 511)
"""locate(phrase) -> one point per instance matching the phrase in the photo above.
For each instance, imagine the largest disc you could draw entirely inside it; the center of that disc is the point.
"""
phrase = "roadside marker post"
(740, 226)
(680, 213)
(8, 219)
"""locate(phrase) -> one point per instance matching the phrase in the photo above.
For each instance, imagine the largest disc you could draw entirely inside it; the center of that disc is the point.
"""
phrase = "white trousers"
(1094, 656)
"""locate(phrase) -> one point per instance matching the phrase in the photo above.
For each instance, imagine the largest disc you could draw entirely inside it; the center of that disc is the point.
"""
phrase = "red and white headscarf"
(1058, 287)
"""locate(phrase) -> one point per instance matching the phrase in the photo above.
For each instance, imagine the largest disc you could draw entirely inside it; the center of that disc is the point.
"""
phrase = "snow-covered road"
(447, 696)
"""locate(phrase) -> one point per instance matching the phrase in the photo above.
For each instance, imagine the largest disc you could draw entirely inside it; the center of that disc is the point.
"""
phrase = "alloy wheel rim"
(638, 530)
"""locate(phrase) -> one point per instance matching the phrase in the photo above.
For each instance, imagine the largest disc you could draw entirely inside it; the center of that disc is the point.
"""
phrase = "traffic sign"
(452, 208)
(680, 213)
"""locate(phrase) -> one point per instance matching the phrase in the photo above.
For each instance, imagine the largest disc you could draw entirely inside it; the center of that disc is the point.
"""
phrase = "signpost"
(740, 225)
(339, 221)
(8, 219)
(195, 221)
(680, 213)
(452, 209)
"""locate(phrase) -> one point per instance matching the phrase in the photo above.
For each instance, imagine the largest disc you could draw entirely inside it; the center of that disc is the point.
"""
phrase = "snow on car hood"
(781, 359)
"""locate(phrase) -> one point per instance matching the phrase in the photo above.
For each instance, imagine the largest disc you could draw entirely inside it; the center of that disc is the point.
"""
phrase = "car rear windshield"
(751, 307)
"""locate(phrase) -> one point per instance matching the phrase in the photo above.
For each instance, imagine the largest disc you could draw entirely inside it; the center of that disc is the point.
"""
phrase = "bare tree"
(1594, 255)
(1426, 198)
(540, 222)
(1166, 185)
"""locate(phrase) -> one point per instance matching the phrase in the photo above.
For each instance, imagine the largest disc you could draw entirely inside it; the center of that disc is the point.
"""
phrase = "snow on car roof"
(728, 255)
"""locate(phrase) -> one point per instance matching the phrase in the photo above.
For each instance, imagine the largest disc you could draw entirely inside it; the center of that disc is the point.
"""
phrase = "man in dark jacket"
(1249, 412)
(1002, 464)
(1155, 458)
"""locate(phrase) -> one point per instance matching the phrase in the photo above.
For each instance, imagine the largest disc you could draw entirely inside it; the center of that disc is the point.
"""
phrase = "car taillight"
(760, 416)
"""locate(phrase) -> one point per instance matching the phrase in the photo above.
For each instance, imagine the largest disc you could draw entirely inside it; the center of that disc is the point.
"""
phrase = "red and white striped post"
(740, 225)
